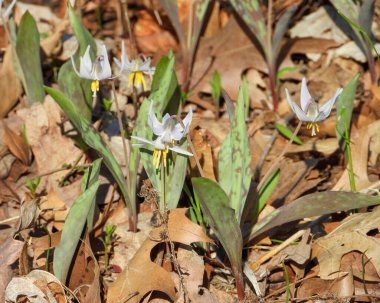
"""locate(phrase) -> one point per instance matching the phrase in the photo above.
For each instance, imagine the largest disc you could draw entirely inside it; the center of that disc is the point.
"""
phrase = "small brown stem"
(133, 50)
(276, 163)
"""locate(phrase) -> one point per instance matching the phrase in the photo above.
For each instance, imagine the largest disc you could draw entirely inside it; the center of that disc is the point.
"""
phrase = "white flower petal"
(305, 95)
(85, 66)
(178, 133)
(9, 9)
(74, 67)
(301, 115)
(145, 141)
(105, 71)
(153, 122)
(180, 151)
(165, 118)
(187, 120)
(326, 108)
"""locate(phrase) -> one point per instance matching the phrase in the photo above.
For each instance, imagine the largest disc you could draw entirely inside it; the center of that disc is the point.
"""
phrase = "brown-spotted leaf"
(16, 145)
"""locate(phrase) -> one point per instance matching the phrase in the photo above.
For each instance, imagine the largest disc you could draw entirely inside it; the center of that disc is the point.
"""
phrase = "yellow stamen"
(309, 125)
(94, 87)
(165, 153)
(316, 124)
(136, 79)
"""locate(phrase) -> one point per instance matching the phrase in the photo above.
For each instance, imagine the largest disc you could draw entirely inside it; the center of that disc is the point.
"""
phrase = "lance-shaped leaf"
(221, 217)
(235, 160)
(72, 230)
(28, 53)
(250, 12)
(281, 28)
(90, 177)
(171, 8)
(346, 102)
(78, 89)
(92, 138)
(199, 20)
(316, 204)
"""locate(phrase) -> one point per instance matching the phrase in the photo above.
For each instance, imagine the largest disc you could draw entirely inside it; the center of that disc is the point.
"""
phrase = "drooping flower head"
(168, 133)
(4, 14)
(310, 111)
(136, 69)
(96, 70)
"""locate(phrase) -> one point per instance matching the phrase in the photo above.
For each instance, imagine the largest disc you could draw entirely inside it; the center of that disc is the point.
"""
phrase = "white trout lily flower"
(137, 69)
(310, 112)
(4, 15)
(98, 70)
(168, 132)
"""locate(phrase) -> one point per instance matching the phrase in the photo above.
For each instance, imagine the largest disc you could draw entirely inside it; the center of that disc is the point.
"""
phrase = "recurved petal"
(301, 115)
(153, 122)
(187, 120)
(85, 66)
(305, 95)
(143, 140)
(105, 71)
(74, 66)
(180, 150)
(327, 107)
(9, 9)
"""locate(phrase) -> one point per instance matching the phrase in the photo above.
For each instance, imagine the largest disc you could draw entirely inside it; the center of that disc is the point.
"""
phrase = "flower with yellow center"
(136, 69)
(168, 132)
(98, 70)
(310, 111)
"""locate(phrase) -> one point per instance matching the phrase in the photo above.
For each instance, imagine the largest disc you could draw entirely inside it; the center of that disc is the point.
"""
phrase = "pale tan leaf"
(16, 144)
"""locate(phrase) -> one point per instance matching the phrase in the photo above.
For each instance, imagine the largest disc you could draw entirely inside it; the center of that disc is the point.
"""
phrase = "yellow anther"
(309, 125)
(316, 124)
(94, 87)
(136, 79)
(165, 153)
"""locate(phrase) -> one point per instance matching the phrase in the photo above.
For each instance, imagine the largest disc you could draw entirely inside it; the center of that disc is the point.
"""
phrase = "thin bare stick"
(125, 150)
(276, 163)
(132, 44)
(277, 249)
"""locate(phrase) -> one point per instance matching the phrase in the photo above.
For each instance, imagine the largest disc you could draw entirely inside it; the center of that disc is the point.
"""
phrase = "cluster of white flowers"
(100, 69)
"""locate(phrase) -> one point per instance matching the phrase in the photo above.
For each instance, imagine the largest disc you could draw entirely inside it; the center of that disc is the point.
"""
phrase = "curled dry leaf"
(10, 251)
(350, 235)
(10, 85)
(17, 145)
(142, 275)
(29, 213)
(38, 286)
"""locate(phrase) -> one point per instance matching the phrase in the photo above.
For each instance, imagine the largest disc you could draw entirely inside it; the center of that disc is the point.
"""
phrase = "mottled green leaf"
(366, 13)
(90, 177)
(316, 204)
(28, 53)
(92, 138)
(201, 7)
(345, 101)
(235, 160)
(250, 12)
(286, 132)
(171, 8)
(222, 219)
(72, 230)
